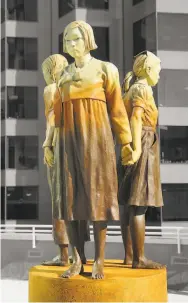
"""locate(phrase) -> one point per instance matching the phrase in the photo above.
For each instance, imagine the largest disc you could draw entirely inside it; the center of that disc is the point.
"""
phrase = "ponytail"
(126, 82)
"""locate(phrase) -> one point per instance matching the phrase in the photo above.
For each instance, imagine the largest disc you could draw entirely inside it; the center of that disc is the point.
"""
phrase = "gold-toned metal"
(52, 68)
(89, 101)
(140, 186)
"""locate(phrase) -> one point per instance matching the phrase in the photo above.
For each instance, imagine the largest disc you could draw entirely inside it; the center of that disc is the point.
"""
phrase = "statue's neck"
(142, 81)
(81, 61)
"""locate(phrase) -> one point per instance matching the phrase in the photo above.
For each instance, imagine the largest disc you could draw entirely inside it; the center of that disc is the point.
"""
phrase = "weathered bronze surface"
(139, 184)
(52, 68)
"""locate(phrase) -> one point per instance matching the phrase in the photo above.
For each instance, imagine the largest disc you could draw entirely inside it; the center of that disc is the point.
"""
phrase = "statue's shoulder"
(108, 67)
(139, 90)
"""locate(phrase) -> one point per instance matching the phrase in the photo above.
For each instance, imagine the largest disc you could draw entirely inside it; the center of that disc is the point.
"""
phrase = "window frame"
(22, 156)
(173, 150)
(23, 45)
(21, 201)
(173, 188)
(24, 93)
(24, 6)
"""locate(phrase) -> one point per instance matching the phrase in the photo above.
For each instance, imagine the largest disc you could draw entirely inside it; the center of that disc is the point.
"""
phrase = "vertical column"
(127, 11)
(116, 35)
(44, 50)
(6, 105)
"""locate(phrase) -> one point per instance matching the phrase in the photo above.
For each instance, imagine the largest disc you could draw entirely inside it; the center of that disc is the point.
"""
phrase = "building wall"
(44, 50)
(120, 19)
(170, 36)
(172, 16)
(42, 30)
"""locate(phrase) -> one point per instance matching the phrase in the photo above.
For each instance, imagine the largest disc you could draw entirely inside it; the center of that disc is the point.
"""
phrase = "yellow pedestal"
(121, 284)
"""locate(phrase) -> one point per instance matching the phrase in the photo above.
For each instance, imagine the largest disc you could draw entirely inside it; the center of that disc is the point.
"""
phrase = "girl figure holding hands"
(52, 68)
(140, 186)
(89, 102)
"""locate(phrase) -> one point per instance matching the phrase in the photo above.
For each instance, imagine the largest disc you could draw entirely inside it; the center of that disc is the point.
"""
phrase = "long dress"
(90, 106)
(140, 184)
(54, 174)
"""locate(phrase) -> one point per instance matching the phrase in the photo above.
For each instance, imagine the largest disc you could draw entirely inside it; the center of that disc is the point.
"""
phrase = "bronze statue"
(140, 186)
(88, 102)
(52, 68)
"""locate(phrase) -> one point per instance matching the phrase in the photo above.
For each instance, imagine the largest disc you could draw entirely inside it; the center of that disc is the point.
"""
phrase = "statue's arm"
(138, 99)
(49, 141)
(49, 113)
(116, 108)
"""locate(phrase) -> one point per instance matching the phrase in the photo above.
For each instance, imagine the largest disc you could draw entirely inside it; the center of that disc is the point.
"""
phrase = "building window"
(137, 1)
(2, 54)
(22, 102)
(22, 10)
(2, 103)
(66, 6)
(175, 198)
(2, 153)
(22, 53)
(22, 203)
(144, 34)
(102, 40)
(2, 203)
(93, 4)
(23, 152)
(173, 88)
(2, 11)
(174, 147)
(172, 32)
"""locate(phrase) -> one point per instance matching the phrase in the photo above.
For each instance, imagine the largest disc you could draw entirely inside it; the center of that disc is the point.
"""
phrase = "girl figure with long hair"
(140, 186)
(52, 68)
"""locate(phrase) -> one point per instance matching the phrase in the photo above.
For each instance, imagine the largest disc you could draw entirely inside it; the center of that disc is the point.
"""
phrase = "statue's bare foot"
(97, 271)
(56, 261)
(128, 261)
(75, 269)
(147, 264)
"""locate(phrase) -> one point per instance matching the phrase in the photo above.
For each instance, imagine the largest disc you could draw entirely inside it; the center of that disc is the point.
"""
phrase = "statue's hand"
(128, 155)
(48, 156)
(66, 77)
(136, 155)
(76, 76)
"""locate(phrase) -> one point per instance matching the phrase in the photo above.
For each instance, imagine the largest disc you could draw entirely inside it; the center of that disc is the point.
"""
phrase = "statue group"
(85, 108)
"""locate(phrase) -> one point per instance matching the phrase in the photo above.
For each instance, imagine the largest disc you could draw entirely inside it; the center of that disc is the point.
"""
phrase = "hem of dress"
(153, 205)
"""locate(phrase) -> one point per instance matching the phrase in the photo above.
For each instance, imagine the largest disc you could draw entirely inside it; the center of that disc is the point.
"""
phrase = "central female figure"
(91, 104)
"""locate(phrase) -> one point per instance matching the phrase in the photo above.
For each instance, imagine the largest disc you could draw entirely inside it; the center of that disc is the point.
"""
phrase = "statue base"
(121, 284)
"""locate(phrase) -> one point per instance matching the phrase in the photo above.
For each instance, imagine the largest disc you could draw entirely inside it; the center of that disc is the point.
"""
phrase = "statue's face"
(75, 43)
(153, 74)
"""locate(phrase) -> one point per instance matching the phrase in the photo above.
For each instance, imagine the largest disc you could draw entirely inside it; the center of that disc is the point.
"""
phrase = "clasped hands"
(128, 155)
